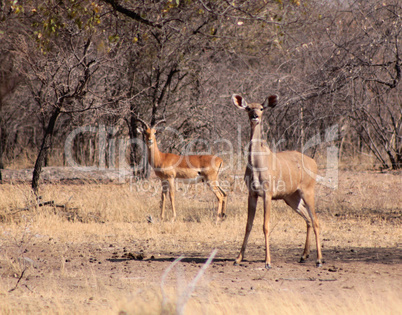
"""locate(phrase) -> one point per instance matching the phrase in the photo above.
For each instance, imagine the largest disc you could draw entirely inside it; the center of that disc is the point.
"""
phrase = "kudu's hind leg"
(308, 204)
(297, 203)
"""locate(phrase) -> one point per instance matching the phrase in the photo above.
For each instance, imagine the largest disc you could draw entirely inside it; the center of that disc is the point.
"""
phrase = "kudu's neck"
(256, 140)
(258, 151)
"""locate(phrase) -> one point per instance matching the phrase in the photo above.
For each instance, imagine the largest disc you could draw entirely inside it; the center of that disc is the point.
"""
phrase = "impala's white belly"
(191, 181)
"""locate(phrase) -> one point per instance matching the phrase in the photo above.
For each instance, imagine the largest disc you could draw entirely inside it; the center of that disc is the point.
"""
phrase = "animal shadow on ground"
(369, 255)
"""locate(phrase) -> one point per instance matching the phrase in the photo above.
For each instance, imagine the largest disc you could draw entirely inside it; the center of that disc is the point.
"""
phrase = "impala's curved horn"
(159, 122)
(143, 122)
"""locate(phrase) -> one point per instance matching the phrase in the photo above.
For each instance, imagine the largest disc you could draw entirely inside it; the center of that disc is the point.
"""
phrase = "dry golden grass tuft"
(67, 258)
(212, 301)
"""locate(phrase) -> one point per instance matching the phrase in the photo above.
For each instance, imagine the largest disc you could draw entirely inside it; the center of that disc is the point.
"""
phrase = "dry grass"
(274, 302)
(365, 212)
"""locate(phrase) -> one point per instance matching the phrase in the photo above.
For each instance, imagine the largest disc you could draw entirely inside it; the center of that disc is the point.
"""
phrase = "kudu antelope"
(287, 175)
(191, 169)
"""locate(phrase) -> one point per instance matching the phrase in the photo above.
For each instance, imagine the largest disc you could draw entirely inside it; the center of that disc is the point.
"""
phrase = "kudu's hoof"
(237, 262)
(220, 218)
(268, 266)
(303, 259)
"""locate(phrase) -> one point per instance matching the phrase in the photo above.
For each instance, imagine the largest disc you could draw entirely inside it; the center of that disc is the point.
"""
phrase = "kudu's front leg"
(267, 213)
(252, 206)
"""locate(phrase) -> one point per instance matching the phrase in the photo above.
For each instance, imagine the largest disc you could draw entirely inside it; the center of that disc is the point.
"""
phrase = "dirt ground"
(132, 264)
(352, 271)
(343, 268)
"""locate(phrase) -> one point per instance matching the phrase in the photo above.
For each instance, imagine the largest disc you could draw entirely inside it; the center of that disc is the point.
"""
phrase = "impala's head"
(254, 110)
(150, 137)
(149, 132)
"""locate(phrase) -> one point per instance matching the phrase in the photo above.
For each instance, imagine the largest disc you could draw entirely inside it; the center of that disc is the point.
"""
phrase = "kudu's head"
(254, 110)
(149, 132)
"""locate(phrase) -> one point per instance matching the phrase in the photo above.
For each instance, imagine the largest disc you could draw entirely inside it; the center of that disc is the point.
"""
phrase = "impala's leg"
(225, 201)
(267, 213)
(252, 206)
(308, 199)
(224, 195)
(221, 198)
(165, 187)
(171, 195)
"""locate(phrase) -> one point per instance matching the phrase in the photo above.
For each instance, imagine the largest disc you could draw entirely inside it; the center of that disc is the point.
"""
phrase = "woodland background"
(102, 63)
(78, 73)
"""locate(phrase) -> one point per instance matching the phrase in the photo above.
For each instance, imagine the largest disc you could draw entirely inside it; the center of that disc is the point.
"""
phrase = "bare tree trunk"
(394, 161)
(399, 158)
(44, 150)
(135, 156)
(1, 153)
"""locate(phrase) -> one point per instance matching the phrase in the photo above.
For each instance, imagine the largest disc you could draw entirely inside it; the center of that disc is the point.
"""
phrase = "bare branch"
(131, 14)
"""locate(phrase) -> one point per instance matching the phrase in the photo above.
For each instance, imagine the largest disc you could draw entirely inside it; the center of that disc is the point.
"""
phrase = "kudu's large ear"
(271, 101)
(239, 101)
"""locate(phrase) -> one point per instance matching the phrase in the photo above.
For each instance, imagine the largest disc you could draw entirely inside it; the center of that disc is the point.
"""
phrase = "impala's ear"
(239, 101)
(271, 101)
(140, 130)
